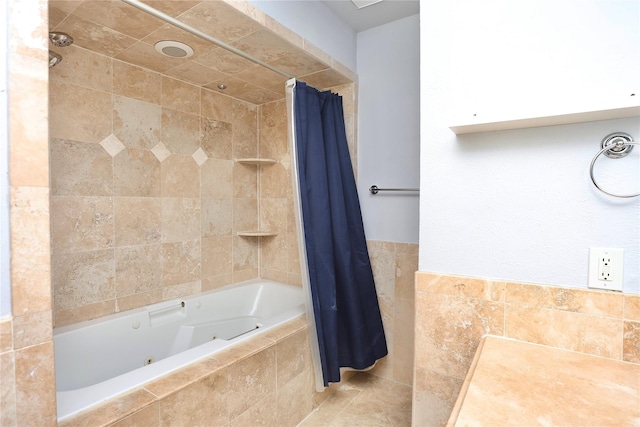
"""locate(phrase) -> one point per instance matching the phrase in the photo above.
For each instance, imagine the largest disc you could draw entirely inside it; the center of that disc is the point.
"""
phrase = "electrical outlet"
(605, 268)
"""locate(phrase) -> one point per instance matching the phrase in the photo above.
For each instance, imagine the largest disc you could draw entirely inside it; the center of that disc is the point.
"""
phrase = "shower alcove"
(164, 185)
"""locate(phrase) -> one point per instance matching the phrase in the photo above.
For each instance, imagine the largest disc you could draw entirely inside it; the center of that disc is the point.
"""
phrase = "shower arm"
(170, 20)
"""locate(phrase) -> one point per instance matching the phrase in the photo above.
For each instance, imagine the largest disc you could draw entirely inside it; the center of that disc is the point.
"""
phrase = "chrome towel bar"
(374, 189)
(614, 146)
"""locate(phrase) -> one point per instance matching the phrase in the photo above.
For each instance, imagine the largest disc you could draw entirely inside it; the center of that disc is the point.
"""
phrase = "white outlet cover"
(617, 268)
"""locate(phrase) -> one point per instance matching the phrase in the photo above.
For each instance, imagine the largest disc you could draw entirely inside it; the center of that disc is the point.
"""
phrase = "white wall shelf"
(256, 161)
(256, 233)
(483, 123)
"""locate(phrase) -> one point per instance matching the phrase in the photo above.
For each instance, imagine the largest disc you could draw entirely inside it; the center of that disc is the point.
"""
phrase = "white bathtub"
(100, 359)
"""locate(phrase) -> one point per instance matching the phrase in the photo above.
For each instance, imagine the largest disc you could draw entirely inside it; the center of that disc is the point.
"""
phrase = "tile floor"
(364, 400)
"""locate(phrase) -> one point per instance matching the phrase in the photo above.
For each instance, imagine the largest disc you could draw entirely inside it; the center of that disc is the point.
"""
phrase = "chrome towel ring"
(614, 146)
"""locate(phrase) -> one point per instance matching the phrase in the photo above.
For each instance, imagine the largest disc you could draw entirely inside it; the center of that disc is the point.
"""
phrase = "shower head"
(54, 59)
(60, 39)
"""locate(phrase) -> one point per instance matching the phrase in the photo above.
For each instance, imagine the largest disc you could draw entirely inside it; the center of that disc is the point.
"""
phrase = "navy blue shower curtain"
(345, 303)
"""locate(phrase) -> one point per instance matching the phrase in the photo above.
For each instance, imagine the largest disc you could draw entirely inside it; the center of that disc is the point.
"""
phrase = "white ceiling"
(371, 16)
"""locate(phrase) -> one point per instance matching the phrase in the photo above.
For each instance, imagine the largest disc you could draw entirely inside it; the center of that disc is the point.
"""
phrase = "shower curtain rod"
(169, 19)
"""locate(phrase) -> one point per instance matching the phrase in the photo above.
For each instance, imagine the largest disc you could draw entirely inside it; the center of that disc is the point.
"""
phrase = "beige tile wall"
(27, 387)
(266, 381)
(453, 313)
(146, 198)
(394, 266)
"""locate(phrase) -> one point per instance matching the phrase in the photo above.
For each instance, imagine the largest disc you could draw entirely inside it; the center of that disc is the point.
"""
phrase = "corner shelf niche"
(620, 109)
(257, 162)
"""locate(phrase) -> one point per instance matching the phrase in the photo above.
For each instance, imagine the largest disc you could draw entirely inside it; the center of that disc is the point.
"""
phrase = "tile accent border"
(454, 312)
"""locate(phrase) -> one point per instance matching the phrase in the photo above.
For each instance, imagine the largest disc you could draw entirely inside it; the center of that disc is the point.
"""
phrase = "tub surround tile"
(181, 262)
(80, 169)
(137, 124)
(137, 83)
(92, 123)
(263, 413)
(6, 335)
(138, 269)
(505, 385)
(140, 299)
(137, 220)
(295, 398)
(148, 416)
(180, 96)
(243, 350)
(250, 379)
(217, 179)
(35, 385)
(89, 311)
(85, 68)
(217, 256)
(180, 177)
(184, 377)
(180, 131)
(8, 389)
(216, 138)
(188, 210)
(30, 255)
(136, 173)
(112, 411)
(81, 223)
(32, 329)
(181, 290)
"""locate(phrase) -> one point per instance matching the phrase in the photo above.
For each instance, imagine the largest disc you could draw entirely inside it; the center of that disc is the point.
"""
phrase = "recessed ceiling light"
(364, 3)
(174, 49)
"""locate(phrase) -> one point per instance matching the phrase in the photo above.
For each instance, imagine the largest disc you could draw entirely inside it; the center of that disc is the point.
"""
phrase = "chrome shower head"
(54, 59)
(60, 39)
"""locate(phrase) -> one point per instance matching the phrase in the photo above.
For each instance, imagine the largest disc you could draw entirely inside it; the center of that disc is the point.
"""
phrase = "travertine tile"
(30, 250)
(450, 328)
(328, 412)
(28, 125)
(81, 223)
(180, 96)
(195, 73)
(217, 256)
(463, 286)
(217, 179)
(147, 417)
(294, 400)
(6, 335)
(224, 61)
(292, 357)
(608, 390)
(217, 217)
(631, 342)
(185, 377)
(113, 410)
(435, 397)
(136, 173)
(60, 9)
(222, 21)
(245, 181)
(35, 385)
(136, 123)
(27, 28)
(245, 255)
(140, 299)
(98, 38)
(216, 106)
(275, 181)
(406, 267)
(82, 278)
(180, 132)
(138, 269)
(80, 169)
(325, 78)
(181, 262)
(88, 311)
(7, 389)
(32, 329)
(180, 177)
(91, 123)
(632, 307)
(263, 413)
(215, 282)
(144, 55)
(244, 350)
(250, 379)
(85, 68)
(403, 324)
(382, 256)
(181, 290)
(217, 138)
(576, 300)
(583, 333)
(137, 220)
(188, 212)
(136, 82)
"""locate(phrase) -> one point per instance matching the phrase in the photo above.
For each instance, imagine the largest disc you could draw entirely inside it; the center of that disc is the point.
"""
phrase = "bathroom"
(565, 214)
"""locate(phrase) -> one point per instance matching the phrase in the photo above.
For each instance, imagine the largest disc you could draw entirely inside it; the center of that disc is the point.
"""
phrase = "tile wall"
(453, 313)
(266, 381)
(27, 388)
(394, 266)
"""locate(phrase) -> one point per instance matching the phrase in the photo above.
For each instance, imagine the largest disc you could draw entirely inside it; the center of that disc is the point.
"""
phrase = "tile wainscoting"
(454, 312)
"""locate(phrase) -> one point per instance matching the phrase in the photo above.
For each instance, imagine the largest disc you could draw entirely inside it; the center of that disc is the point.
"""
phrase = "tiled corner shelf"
(256, 161)
(479, 123)
(256, 233)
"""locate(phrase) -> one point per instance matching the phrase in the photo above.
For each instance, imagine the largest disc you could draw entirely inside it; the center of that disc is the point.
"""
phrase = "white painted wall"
(519, 205)
(389, 128)
(316, 23)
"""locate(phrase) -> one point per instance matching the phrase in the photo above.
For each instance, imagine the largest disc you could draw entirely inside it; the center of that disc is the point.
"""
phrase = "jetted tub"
(99, 359)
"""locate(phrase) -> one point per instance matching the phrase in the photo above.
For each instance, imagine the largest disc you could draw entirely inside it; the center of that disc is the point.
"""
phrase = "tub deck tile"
(182, 378)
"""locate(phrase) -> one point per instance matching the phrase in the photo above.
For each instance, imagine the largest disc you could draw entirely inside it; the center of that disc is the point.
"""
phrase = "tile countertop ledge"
(514, 382)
